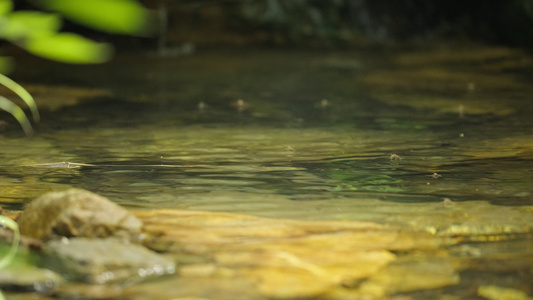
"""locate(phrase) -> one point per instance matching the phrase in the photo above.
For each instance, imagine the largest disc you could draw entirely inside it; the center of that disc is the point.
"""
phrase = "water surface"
(376, 136)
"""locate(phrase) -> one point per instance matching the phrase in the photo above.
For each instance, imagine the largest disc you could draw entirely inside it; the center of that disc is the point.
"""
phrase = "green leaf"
(23, 94)
(22, 24)
(113, 16)
(6, 260)
(69, 48)
(18, 113)
(5, 7)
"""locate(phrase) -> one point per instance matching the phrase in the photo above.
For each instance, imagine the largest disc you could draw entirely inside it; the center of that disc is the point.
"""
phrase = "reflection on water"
(307, 140)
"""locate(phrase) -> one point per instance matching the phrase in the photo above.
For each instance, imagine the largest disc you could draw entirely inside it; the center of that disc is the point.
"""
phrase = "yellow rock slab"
(286, 258)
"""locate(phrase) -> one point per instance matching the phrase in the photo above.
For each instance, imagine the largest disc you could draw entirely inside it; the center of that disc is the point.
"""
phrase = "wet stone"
(101, 261)
(82, 291)
(6, 236)
(27, 278)
(77, 213)
(288, 259)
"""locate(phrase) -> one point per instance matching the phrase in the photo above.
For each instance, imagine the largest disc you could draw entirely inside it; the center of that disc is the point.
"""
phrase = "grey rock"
(77, 213)
(104, 260)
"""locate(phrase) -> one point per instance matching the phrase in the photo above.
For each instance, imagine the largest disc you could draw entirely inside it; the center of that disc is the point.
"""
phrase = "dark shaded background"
(347, 22)
(337, 23)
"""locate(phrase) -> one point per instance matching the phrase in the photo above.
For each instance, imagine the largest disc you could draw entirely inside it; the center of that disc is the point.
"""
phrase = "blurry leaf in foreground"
(16, 112)
(69, 48)
(6, 260)
(5, 6)
(23, 94)
(22, 24)
(113, 16)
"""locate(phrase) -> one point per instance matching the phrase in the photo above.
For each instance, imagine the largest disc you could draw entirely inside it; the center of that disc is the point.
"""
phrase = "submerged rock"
(287, 259)
(495, 293)
(30, 279)
(77, 213)
(104, 260)
(83, 291)
(21, 275)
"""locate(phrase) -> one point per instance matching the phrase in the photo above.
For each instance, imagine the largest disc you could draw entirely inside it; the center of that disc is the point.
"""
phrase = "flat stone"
(81, 291)
(77, 213)
(412, 273)
(493, 292)
(19, 276)
(287, 259)
(101, 261)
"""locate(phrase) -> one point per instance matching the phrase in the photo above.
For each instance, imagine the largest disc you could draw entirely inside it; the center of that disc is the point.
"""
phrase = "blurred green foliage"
(111, 16)
(10, 255)
(39, 33)
(14, 109)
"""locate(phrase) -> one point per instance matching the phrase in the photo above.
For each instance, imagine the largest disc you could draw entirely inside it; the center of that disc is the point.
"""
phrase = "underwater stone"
(77, 213)
(83, 291)
(99, 261)
(28, 278)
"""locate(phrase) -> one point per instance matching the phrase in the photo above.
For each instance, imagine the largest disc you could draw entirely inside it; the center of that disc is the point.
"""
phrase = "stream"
(382, 136)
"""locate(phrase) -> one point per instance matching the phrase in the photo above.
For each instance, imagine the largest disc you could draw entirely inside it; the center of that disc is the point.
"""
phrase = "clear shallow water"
(174, 166)
(285, 140)
(397, 135)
